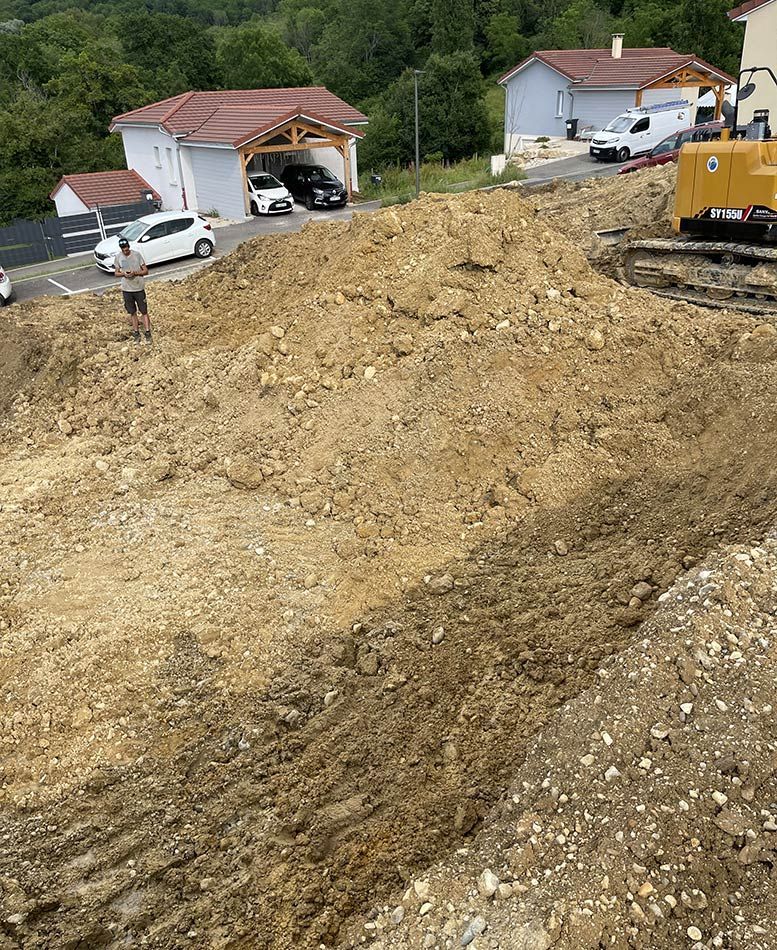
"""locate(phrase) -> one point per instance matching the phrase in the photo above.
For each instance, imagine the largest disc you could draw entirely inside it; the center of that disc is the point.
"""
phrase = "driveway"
(80, 275)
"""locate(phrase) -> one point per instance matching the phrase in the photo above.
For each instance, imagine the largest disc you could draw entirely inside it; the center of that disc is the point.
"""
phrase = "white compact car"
(6, 290)
(636, 131)
(268, 196)
(163, 236)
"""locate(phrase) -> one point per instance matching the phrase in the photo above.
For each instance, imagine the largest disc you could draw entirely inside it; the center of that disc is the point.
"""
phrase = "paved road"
(80, 275)
(574, 169)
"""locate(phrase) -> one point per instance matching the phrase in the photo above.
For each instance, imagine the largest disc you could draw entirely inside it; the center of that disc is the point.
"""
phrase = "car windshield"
(265, 181)
(666, 146)
(621, 124)
(134, 230)
(321, 174)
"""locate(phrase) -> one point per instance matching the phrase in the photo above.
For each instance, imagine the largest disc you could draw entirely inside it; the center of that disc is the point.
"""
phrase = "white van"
(637, 130)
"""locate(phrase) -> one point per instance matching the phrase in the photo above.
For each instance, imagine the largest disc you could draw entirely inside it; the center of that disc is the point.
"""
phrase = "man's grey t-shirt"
(132, 261)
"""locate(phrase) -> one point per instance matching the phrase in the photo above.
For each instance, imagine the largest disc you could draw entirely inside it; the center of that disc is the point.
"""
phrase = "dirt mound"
(287, 596)
(644, 814)
(641, 201)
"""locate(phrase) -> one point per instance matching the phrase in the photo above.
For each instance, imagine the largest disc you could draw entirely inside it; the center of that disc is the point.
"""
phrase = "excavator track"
(708, 273)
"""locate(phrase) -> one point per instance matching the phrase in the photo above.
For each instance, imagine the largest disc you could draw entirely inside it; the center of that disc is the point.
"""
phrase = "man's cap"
(123, 242)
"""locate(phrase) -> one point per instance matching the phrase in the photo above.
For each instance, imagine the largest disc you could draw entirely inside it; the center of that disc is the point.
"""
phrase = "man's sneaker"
(136, 336)
(147, 336)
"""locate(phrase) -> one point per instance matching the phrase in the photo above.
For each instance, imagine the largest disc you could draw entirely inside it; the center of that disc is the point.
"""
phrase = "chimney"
(617, 45)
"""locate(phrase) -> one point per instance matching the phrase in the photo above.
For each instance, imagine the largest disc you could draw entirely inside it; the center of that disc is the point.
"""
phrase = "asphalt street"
(80, 275)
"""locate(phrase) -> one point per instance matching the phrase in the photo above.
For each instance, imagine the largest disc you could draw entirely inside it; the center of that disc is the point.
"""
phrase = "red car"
(668, 149)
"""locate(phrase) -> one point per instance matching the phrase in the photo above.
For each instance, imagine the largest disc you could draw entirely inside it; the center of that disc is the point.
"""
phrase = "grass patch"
(398, 185)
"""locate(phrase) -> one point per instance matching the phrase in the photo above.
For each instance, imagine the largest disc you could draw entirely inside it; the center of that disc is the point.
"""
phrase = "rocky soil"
(293, 602)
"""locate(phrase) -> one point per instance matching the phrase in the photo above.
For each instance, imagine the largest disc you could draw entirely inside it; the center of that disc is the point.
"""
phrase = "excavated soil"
(641, 202)
(287, 597)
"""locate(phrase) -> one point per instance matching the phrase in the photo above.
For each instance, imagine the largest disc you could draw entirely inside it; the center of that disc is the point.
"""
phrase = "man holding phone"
(130, 266)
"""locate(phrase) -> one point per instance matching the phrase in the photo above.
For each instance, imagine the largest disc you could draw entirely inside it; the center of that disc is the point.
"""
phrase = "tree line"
(67, 67)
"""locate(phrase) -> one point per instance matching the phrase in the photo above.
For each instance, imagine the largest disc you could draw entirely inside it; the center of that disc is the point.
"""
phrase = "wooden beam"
(347, 167)
(638, 100)
(720, 96)
(302, 147)
(246, 200)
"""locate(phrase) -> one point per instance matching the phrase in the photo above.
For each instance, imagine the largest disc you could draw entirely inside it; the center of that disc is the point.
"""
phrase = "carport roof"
(634, 69)
(233, 117)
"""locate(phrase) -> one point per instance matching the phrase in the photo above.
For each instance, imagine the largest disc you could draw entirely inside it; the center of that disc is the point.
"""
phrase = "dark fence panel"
(22, 242)
(80, 232)
(29, 242)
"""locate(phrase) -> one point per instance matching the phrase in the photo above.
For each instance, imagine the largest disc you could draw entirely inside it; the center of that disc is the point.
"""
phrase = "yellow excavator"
(725, 213)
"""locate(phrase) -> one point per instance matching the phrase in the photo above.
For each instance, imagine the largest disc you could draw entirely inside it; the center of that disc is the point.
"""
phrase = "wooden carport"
(299, 133)
(691, 75)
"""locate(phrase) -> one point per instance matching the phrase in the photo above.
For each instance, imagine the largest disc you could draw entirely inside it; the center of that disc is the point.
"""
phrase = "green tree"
(365, 46)
(174, 51)
(254, 57)
(453, 119)
(705, 29)
(453, 26)
(505, 46)
(584, 24)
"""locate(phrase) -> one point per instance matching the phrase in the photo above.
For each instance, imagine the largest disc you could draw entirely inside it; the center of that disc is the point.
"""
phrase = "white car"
(159, 237)
(6, 290)
(268, 196)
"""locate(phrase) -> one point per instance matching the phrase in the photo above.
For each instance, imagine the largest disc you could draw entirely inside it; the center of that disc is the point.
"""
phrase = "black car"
(315, 185)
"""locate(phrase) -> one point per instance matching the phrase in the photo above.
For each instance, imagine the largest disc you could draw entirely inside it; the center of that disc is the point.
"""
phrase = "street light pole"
(416, 74)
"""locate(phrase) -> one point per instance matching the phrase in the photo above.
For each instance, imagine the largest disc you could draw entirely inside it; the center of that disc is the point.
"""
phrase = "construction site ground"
(416, 588)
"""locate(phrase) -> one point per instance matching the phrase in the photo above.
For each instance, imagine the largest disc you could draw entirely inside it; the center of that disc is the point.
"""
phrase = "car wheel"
(254, 208)
(623, 154)
(309, 203)
(3, 301)
(203, 248)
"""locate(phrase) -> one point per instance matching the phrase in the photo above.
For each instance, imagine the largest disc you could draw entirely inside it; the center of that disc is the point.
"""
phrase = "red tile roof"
(121, 187)
(636, 68)
(747, 7)
(233, 117)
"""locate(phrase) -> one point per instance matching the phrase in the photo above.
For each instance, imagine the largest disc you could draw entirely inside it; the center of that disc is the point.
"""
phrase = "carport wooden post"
(347, 167)
(638, 99)
(246, 160)
(720, 97)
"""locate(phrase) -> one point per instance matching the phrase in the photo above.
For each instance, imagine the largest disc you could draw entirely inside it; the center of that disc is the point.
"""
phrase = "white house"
(78, 194)
(595, 85)
(758, 49)
(195, 148)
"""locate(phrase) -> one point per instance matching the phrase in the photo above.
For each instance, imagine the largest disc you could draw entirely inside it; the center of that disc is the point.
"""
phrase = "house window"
(559, 103)
(157, 157)
(170, 165)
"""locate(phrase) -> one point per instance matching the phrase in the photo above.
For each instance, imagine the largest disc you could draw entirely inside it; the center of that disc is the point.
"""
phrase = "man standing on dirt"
(130, 266)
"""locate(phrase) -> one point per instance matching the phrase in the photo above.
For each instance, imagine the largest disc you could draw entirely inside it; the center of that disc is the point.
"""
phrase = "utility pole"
(416, 74)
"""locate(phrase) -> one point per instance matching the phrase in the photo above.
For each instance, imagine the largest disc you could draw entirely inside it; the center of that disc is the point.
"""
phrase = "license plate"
(282, 204)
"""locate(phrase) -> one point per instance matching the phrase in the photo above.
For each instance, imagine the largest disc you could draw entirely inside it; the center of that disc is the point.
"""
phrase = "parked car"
(668, 149)
(315, 185)
(6, 290)
(637, 131)
(268, 196)
(163, 236)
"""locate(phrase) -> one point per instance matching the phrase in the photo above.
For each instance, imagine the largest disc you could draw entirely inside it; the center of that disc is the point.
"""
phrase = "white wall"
(139, 143)
(68, 202)
(219, 173)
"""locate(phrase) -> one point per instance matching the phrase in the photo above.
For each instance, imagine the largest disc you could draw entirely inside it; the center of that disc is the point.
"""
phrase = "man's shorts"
(135, 301)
